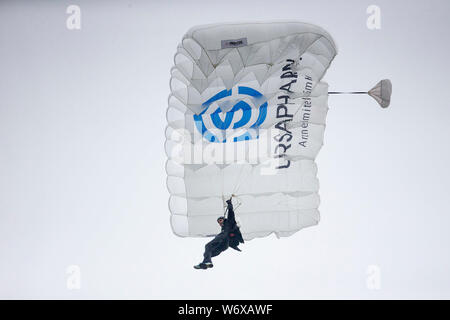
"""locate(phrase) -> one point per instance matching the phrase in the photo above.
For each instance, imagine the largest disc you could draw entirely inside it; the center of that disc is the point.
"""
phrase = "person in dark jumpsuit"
(230, 236)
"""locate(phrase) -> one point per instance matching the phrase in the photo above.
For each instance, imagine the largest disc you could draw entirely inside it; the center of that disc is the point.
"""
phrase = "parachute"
(382, 93)
(246, 117)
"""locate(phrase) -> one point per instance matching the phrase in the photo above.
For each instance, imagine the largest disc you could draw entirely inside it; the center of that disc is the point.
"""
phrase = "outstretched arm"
(231, 218)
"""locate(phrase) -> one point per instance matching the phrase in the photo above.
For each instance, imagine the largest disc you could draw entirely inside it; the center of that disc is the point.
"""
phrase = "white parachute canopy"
(246, 116)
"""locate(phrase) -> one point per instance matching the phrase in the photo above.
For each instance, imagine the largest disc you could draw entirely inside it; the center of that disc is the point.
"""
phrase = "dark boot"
(204, 265)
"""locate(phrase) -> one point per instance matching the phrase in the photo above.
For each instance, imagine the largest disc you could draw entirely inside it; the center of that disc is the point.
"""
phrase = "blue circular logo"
(219, 126)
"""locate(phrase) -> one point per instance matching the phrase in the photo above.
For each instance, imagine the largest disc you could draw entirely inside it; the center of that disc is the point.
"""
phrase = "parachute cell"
(246, 116)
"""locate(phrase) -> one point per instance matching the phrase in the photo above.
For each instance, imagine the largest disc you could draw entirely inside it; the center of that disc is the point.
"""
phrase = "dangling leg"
(209, 248)
(212, 249)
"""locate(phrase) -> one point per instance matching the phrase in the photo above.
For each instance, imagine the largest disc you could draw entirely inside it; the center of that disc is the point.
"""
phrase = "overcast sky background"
(82, 179)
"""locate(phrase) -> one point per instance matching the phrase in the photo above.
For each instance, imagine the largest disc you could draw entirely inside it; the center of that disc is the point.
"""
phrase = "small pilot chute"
(381, 92)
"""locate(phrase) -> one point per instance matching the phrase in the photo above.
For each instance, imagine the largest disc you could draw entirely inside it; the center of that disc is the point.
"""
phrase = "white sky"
(82, 179)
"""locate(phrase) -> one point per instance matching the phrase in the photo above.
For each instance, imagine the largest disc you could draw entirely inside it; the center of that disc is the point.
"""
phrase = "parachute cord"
(238, 185)
(239, 202)
(223, 186)
(352, 92)
(239, 180)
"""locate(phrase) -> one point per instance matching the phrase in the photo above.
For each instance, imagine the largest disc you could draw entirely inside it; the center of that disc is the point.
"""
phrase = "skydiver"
(229, 236)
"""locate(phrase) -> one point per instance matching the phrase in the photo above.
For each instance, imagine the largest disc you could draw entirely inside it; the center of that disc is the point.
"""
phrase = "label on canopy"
(234, 43)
